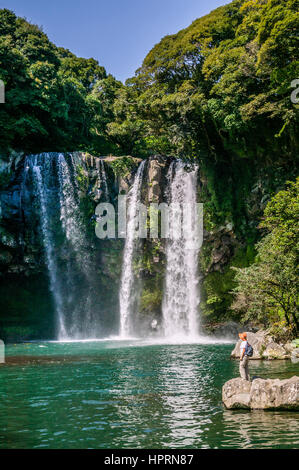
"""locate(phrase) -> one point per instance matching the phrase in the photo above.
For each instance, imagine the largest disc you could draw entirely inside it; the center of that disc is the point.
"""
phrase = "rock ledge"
(261, 394)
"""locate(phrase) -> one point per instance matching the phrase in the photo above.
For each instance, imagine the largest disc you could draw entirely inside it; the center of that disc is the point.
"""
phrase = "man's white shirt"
(243, 346)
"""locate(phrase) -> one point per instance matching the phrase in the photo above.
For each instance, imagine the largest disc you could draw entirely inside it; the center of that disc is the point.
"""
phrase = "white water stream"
(128, 293)
(181, 300)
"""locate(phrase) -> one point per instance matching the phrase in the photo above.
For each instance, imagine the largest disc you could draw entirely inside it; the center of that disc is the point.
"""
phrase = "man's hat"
(243, 336)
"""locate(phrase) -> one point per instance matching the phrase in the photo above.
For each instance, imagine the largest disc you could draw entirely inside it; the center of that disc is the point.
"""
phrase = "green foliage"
(218, 92)
(281, 332)
(82, 178)
(5, 177)
(267, 291)
(217, 286)
(150, 300)
(282, 216)
(206, 87)
(50, 100)
(123, 166)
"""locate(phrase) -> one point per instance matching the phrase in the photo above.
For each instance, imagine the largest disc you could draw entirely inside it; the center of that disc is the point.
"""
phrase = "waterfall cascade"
(128, 293)
(104, 182)
(70, 265)
(181, 292)
(73, 266)
(44, 194)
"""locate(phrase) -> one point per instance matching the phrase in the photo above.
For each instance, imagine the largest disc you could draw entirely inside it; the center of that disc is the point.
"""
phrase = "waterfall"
(181, 292)
(104, 180)
(102, 191)
(67, 249)
(73, 266)
(81, 322)
(44, 200)
(128, 294)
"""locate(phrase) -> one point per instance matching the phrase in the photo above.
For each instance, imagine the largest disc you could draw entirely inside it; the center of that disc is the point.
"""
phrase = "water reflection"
(160, 396)
(184, 381)
(260, 429)
(138, 405)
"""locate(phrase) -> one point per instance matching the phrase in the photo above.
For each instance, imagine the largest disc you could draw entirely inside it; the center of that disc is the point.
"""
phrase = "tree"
(267, 291)
(50, 103)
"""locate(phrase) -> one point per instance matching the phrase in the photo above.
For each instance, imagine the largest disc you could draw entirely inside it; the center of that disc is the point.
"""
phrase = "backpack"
(248, 350)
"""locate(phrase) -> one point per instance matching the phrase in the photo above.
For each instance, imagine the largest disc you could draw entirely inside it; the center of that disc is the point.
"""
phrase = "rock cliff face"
(261, 394)
(26, 302)
(20, 244)
(152, 262)
(27, 309)
(25, 297)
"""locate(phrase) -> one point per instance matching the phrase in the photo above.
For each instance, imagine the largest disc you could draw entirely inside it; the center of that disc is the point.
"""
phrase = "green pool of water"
(113, 394)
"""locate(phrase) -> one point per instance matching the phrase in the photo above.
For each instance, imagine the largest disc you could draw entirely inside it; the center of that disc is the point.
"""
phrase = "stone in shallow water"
(269, 394)
(236, 394)
(275, 351)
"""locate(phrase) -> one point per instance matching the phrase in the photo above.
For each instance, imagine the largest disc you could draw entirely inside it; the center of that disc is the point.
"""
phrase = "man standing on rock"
(244, 370)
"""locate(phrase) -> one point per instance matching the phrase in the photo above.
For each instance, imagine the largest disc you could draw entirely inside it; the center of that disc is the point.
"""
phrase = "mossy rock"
(150, 301)
(123, 166)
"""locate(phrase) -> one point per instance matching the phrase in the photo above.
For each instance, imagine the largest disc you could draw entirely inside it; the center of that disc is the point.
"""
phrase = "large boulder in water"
(261, 394)
(236, 394)
(263, 347)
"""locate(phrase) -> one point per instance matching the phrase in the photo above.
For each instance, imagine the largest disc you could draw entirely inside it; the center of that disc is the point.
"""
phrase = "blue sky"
(118, 33)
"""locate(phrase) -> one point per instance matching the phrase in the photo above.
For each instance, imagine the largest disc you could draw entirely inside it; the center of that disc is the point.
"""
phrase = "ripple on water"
(103, 395)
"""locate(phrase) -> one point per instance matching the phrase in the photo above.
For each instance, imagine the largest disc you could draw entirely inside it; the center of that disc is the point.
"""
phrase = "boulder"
(290, 347)
(275, 351)
(261, 394)
(295, 356)
(275, 394)
(263, 347)
(236, 394)
(258, 341)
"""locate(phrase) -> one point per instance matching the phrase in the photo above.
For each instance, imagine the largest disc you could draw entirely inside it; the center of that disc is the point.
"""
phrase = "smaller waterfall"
(127, 295)
(35, 165)
(102, 190)
(81, 320)
(104, 180)
(72, 269)
(181, 293)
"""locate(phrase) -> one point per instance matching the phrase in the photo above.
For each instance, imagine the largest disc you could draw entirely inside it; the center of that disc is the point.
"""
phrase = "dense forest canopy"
(50, 103)
(207, 89)
(221, 86)
(217, 92)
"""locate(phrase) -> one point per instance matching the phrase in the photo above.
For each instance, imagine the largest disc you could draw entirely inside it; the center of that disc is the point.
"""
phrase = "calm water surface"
(111, 394)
